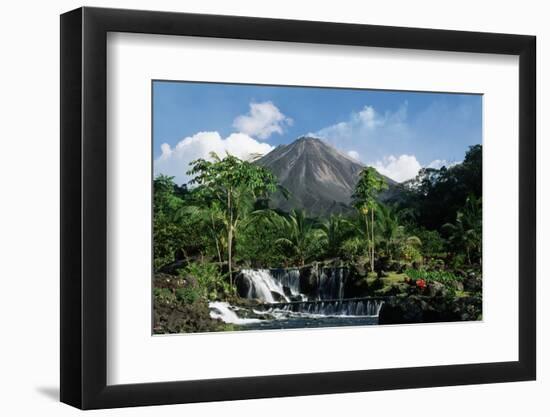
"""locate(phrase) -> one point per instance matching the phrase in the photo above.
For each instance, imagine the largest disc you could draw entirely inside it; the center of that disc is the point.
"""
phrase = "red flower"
(420, 283)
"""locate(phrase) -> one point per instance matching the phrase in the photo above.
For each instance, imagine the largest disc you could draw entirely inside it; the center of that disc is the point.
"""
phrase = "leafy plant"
(365, 199)
(210, 282)
(232, 183)
(445, 277)
(298, 236)
(187, 295)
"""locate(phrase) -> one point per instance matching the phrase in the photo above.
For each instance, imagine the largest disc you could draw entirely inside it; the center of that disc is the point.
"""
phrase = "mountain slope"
(320, 178)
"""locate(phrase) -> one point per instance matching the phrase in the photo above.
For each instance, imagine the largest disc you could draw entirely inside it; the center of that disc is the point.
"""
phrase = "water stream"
(289, 299)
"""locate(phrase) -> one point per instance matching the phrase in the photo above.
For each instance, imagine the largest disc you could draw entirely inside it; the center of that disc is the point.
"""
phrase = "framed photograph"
(257, 208)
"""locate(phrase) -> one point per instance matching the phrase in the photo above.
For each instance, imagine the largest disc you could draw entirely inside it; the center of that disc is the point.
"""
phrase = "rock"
(174, 267)
(277, 297)
(176, 314)
(420, 309)
(287, 291)
(243, 285)
(309, 278)
(472, 283)
(437, 289)
(399, 310)
(458, 285)
(381, 264)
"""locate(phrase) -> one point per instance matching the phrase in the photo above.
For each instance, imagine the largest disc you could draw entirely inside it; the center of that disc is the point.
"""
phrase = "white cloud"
(438, 163)
(262, 120)
(368, 132)
(401, 168)
(354, 154)
(174, 161)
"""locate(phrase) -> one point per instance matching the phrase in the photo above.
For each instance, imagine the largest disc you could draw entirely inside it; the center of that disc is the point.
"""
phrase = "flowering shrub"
(420, 283)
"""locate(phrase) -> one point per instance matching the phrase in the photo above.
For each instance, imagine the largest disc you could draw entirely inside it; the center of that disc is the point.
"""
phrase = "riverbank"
(316, 296)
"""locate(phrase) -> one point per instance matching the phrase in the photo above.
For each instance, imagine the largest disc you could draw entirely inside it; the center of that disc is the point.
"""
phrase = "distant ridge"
(320, 178)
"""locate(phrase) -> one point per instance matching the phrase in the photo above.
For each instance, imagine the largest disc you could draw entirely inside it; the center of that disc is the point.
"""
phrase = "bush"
(210, 281)
(444, 277)
(164, 295)
(187, 295)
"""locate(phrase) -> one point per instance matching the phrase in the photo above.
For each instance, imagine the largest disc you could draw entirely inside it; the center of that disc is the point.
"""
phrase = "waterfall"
(263, 286)
(222, 310)
(289, 278)
(331, 283)
(349, 308)
(315, 293)
(277, 285)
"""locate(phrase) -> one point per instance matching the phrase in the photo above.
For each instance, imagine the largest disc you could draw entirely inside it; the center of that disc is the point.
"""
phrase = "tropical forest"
(305, 236)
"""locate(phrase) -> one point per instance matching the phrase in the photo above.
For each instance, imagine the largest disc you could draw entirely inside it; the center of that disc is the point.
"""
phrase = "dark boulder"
(399, 310)
(243, 285)
(309, 280)
(277, 297)
(421, 309)
(472, 283)
(437, 289)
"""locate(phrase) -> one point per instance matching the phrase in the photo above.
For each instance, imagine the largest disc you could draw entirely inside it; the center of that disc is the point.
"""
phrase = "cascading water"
(351, 308)
(331, 283)
(301, 298)
(263, 286)
(289, 279)
(223, 311)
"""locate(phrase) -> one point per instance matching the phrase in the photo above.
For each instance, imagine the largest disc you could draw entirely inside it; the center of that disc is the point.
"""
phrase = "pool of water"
(309, 322)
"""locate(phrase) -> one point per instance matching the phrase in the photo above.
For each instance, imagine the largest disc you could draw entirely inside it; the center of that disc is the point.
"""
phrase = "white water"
(289, 278)
(222, 310)
(345, 308)
(263, 285)
(273, 286)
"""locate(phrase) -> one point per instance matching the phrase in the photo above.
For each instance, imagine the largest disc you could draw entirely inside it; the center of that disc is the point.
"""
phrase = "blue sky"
(395, 131)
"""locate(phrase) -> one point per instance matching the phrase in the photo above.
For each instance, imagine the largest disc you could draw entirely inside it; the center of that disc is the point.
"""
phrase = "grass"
(393, 277)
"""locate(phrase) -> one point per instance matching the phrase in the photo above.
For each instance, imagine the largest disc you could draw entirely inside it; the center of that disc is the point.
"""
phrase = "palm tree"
(364, 199)
(334, 231)
(393, 234)
(212, 216)
(298, 234)
(465, 232)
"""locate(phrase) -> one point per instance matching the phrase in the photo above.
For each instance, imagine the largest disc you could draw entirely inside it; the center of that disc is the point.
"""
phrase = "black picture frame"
(84, 207)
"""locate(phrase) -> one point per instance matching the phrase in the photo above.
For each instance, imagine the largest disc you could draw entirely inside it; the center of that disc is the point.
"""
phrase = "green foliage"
(223, 219)
(298, 237)
(364, 200)
(433, 245)
(255, 243)
(187, 295)
(445, 277)
(465, 233)
(354, 248)
(335, 231)
(210, 282)
(232, 185)
(435, 195)
(367, 188)
(164, 295)
(397, 244)
(167, 233)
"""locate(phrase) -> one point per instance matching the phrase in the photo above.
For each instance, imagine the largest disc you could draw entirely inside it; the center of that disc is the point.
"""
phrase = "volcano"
(320, 178)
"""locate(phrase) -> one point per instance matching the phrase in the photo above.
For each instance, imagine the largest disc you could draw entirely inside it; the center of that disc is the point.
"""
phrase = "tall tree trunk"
(216, 240)
(368, 238)
(372, 228)
(230, 238)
